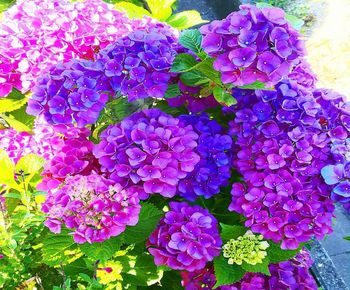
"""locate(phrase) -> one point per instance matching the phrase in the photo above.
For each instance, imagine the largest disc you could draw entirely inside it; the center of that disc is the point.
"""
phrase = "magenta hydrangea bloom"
(289, 275)
(138, 64)
(34, 35)
(95, 208)
(150, 149)
(75, 91)
(281, 148)
(253, 44)
(213, 171)
(73, 158)
(186, 238)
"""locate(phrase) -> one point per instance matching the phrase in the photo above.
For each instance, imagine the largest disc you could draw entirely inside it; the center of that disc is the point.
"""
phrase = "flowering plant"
(147, 157)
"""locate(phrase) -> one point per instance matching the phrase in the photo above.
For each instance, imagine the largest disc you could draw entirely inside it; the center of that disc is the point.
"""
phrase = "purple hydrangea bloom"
(186, 238)
(76, 91)
(213, 171)
(138, 65)
(253, 44)
(95, 209)
(289, 275)
(150, 149)
(281, 148)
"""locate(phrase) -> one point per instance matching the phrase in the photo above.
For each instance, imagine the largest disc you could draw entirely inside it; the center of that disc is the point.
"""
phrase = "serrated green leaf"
(13, 101)
(160, 9)
(77, 267)
(223, 97)
(132, 10)
(183, 62)
(229, 232)
(205, 67)
(148, 220)
(262, 267)
(102, 251)
(192, 40)
(186, 19)
(15, 124)
(193, 78)
(226, 274)
(173, 91)
(59, 248)
(22, 116)
(276, 254)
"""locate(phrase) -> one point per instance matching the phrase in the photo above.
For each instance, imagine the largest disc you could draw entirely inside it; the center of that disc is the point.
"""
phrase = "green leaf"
(173, 91)
(223, 97)
(276, 254)
(193, 78)
(191, 39)
(186, 19)
(262, 267)
(13, 101)
(296, 22)
(256, 86)
(148, 219)
(132, 10)
(7, 169)
(77, 267)
(59, 248)
(102, 251)
(160, 9)
(347, 238)
(229, 232)
(15, 124)
(226, 274)
(22, 116)
(263, 5)
(205, 67)
(183, 62)
(30, 164)
(145, 272)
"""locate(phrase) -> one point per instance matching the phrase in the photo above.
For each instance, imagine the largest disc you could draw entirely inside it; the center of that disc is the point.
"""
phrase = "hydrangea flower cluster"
(76, 90)
(186, 238)
(214, 168)
(150, 149)
(248, 248)
(288, 275)
(73, 157)
(95, 208)
(335, 117)
(34, 35)
(281, 148)
(139, 63)
(252, 45)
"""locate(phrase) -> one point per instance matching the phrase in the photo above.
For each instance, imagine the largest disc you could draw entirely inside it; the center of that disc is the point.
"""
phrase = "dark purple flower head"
(252, 45)
(186, 238)
(95, 208)
(214, 168)
(150, 149)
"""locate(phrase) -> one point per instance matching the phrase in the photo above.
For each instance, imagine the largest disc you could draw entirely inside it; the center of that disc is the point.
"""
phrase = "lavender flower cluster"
(95, 208)
(186, 238)
(288, 275)
(281, 148)
(150, 149)
(252, 45)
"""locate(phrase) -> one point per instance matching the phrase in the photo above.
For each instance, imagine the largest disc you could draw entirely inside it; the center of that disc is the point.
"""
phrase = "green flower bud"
(248, 248)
